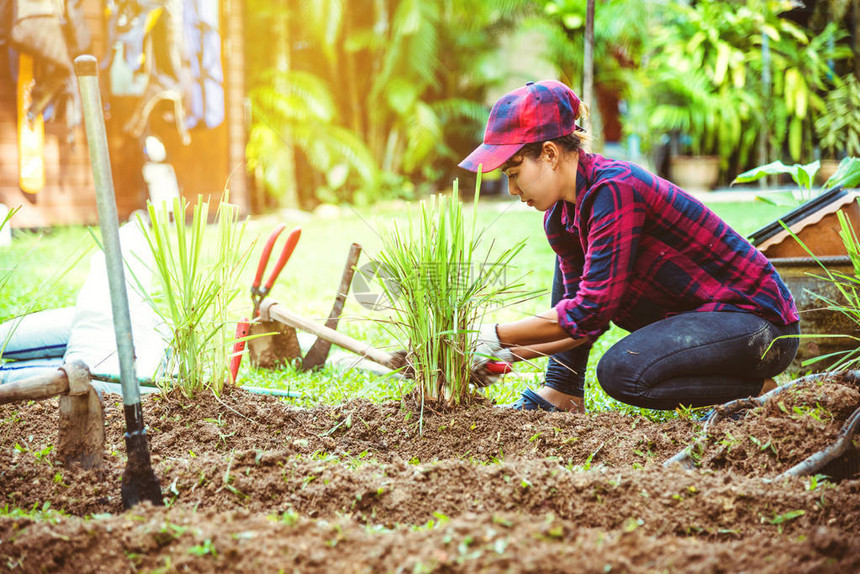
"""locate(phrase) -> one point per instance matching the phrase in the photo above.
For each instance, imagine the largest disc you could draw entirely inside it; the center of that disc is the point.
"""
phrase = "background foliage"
(368, 99)
(364, 99)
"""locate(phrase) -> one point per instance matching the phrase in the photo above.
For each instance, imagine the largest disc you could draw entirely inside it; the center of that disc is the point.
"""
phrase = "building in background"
(174, 71)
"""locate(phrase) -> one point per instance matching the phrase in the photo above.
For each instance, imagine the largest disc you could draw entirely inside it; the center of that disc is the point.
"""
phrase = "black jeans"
(693, 359)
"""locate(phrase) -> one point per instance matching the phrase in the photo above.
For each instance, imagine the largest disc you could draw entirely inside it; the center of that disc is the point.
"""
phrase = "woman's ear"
(552, 153)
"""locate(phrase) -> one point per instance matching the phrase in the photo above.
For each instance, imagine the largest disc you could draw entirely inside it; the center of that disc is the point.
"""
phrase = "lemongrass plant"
(440, 282)
(197, 280)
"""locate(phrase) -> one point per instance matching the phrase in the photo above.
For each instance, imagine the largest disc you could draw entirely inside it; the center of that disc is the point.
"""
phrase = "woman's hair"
(570, 143)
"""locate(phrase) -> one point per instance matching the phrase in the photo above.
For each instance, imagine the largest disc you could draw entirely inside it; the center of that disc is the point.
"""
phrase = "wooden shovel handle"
(271, 310)
(35, 388)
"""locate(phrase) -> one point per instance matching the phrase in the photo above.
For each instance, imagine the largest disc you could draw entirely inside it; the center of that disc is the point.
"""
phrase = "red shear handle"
(267, 252)
(498, 367)
(239, 346)
(289, 247)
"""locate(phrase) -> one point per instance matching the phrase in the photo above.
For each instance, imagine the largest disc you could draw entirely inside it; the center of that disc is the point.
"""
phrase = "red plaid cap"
(537, 112)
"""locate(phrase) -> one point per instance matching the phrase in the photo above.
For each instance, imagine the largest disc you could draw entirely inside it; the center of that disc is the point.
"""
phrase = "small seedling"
(498, 459)
(818, 413)
(307, 480)
(632, 524)
(763, 446)
(11, 419)
(42, 455)
(818, 480)
(288, 518)
(218, 422)
(203, 549)
(780, 519)
(169, 532)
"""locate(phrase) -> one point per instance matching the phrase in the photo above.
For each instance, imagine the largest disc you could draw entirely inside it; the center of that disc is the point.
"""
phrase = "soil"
(253, 484)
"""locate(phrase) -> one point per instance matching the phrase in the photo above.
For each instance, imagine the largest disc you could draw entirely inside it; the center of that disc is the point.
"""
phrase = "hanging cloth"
(7, 15)
(166, 73)
(37, 30)
(203, 44)
(129, 23)
(78, 38)
(52, 32)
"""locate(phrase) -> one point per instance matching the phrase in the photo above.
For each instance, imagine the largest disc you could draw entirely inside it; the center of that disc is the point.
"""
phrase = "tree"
(390, 91)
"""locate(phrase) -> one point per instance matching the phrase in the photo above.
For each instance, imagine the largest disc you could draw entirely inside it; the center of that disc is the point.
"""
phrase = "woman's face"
(534, 181)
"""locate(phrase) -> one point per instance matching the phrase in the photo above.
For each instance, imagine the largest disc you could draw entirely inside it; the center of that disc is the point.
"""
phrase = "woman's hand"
(490, 348)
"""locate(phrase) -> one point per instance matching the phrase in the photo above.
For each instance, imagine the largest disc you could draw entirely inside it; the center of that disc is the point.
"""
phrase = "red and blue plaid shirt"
(635, 249)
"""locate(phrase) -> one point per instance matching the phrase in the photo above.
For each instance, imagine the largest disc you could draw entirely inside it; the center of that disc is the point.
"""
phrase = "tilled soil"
(253, 484)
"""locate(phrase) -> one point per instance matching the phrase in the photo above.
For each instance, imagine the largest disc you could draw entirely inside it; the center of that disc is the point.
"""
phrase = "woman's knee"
(782, 351)
(616, 375)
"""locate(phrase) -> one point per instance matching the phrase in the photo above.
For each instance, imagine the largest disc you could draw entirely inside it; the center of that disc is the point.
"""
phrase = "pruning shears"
(259, 293)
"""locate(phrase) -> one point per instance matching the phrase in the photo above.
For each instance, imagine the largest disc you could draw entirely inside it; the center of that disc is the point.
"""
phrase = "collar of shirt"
(583, 176)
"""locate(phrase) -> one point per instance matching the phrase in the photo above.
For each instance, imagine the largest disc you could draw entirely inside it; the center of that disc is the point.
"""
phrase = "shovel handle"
(271, 310)
(86, 69)
(35, 388)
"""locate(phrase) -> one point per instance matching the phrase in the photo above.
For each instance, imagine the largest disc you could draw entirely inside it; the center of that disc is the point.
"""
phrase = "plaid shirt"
(635, 249)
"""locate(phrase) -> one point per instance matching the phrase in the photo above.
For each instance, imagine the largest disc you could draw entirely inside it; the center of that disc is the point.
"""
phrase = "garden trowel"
(82, 434)
(317, 354)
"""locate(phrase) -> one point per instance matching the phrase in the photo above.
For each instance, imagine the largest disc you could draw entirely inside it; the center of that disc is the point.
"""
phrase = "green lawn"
(47, 272)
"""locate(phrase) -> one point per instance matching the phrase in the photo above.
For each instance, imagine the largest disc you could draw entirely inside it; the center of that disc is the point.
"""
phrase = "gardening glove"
(488, 349)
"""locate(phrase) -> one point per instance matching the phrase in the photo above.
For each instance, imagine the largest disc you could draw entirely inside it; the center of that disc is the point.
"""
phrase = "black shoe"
(531, 401)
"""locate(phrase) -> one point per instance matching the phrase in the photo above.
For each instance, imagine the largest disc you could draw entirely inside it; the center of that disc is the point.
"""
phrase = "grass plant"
(19, 301)
(440, 283)
(195, 289)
